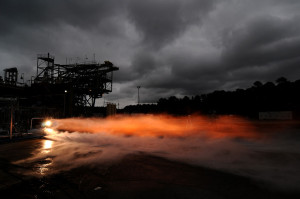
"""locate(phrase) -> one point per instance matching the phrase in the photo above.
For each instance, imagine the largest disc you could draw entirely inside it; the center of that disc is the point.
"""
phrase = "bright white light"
(48, 123)
(48, 144)
(48, 130)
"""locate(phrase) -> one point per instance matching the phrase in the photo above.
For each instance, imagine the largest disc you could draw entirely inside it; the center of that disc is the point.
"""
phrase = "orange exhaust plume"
(161, 126)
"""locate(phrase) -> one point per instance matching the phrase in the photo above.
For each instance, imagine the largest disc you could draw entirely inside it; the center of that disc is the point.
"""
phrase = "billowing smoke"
(226, 143)
(161, 126)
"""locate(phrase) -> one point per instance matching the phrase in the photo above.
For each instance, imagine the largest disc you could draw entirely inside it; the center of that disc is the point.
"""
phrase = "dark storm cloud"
(33, 24)
(64, 28)
(169, 47)
(262, 41)
(264, 48)
(50, 17)
(144, 62)
(36, 13)
(163, 21)
(190, 75)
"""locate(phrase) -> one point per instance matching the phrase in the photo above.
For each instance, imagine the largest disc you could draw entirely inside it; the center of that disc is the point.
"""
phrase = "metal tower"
(44, 68)
(83, 82)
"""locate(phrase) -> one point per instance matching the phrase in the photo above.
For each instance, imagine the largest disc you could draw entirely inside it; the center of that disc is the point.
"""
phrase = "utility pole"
(138, 87)
(65, 103)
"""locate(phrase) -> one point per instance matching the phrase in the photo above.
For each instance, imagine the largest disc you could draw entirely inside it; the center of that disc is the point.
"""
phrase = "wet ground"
(137, 175)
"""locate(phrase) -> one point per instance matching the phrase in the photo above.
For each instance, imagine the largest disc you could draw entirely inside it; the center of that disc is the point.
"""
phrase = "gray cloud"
(161, 22)
(167, 47)
(35, 13)
(261, 42)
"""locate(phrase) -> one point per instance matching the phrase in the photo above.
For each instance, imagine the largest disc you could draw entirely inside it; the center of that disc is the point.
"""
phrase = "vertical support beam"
(37, 66)
(11, 121)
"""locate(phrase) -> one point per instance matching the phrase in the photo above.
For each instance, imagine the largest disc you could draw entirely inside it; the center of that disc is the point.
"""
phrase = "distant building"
(276, 115)
(111, 109)
(10, 76)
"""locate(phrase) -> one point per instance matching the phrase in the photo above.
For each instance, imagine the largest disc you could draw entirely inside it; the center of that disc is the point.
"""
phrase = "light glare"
(48, 130)
(48, 123)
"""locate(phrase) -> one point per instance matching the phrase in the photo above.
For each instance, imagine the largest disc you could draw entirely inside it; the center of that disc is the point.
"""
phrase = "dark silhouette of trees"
(141, 108)
(257, 84)
(282, 96)
(281, 80)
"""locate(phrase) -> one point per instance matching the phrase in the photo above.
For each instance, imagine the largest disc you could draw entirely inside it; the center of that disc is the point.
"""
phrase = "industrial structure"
(57, 90)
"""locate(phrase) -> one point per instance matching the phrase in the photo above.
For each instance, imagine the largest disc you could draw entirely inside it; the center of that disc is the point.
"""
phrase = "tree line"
(283, 95)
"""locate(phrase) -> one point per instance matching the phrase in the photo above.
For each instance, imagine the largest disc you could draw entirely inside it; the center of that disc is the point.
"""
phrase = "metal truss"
(86, 81)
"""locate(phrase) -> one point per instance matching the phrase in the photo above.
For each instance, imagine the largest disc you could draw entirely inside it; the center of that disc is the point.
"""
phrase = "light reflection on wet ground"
(43, 166)
(47, 146)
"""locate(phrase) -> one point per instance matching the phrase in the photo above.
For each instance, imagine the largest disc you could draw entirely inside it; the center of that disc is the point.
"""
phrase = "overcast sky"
(168, 47)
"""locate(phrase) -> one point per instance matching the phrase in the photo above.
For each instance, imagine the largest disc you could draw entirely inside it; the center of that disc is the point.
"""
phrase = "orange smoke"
(161, 125)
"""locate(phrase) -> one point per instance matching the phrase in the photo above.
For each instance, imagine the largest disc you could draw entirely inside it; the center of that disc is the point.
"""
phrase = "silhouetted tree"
(257, 84)
(281, 80)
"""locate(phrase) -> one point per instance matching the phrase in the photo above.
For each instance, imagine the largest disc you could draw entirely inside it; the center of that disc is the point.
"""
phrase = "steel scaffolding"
(85, 81)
